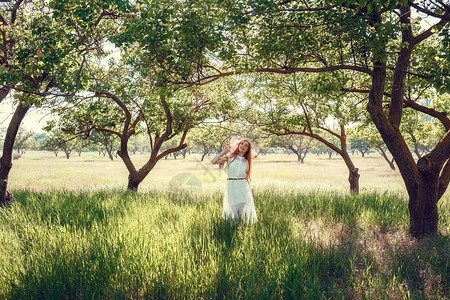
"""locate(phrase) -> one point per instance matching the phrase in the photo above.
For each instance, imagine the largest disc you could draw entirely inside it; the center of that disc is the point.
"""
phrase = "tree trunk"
(203, 156)
(390, 162)
(8, 146)
(422, 180)
(353, 177)
(423, 207)
(67, 153)
(305, 151)
(135, 178)
(4, 91)
(133, 182)
(109, 150)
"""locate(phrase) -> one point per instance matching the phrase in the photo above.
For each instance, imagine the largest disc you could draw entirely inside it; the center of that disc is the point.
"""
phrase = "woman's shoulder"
(228, 156)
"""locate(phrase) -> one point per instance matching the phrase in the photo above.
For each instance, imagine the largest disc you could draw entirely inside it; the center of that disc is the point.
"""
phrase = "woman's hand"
(221, 157)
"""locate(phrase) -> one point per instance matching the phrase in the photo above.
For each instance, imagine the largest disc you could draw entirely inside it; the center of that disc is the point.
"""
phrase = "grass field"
(74, 232)
(43, 171)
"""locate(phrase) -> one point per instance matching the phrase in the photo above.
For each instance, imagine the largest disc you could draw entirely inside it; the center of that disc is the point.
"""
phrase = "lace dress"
(238, 198)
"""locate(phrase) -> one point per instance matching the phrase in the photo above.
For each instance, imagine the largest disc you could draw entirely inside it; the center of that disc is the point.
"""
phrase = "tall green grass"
(112, 244)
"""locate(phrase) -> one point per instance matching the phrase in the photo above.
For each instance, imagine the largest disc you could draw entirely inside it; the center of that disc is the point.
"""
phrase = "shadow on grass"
(424, 266)
(265, 260)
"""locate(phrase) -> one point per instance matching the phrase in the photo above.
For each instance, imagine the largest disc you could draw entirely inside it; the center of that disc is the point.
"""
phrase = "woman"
(238, 199)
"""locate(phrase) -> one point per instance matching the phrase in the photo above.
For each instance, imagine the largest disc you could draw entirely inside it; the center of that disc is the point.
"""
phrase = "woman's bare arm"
(221, 157)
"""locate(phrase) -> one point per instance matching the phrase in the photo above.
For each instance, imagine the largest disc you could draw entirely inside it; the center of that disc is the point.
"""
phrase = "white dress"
(238, 199)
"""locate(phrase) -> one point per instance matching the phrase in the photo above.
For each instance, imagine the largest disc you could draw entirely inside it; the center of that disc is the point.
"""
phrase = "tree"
(104, 142)
(421, 134)
(299, 145)
(205, 139)
(295, 105)
(139, 143)
(80, 144)
(56, 140)
(50, 143)
(128, 102)
(266, 143)
(367, 131)
(381, 42)
(24, 140)
(361, 145)
(43, 55)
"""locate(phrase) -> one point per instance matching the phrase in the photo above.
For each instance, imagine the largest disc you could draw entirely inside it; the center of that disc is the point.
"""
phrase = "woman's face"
(243, 146)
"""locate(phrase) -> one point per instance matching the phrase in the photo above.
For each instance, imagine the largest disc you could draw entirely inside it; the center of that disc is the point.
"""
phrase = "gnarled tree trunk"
(427, 181)
(6, 159)
(353, 175)
(431, 185)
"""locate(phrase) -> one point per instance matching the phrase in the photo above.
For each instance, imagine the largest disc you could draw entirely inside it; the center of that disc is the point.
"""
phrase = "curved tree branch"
(208, 79)
(180, 146)
(108, 130)
(167, 132)
(427, 33)
(441, 116)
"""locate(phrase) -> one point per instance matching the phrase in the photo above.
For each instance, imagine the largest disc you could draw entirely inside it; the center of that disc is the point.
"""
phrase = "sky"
(35, 119)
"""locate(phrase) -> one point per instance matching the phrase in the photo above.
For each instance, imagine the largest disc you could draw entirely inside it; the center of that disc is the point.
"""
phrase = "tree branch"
(313, 135)
(286, 70)
(441, 116)
(427, 33)
(104, 14)
(4, 91)
(307, 9)
(160, 140)
(108, 130)
(331, 132)
(401, 66)
(3, 20)
(14, 11)
(441, 151)
(180, 146)
(116, 99)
